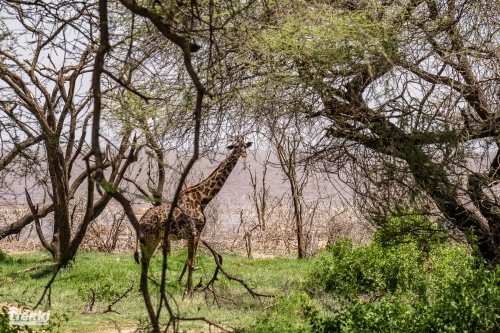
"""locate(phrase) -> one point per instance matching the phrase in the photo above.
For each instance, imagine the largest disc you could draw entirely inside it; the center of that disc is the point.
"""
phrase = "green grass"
(394, 288)
(109, 275)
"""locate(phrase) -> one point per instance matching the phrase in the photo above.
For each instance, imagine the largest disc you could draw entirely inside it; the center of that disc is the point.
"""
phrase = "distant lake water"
(234, 195)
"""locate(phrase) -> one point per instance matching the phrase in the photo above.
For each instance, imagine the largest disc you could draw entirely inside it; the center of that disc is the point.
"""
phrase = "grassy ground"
(110, 275)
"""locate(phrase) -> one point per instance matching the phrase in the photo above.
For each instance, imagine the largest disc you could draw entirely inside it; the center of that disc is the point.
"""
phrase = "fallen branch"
(36, 267)
(216, 297)
(90, 305)
(209, 322)
(218, 261)
(109, 309)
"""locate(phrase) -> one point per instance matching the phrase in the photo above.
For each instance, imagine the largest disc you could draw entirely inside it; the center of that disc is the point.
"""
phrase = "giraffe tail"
(136, 253)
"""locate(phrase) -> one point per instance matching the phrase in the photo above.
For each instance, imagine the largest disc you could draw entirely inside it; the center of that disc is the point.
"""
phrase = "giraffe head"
(240, 148)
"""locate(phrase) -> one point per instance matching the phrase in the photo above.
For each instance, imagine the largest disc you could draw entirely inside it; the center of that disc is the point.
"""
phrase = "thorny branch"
(90, 305)
(218, 261)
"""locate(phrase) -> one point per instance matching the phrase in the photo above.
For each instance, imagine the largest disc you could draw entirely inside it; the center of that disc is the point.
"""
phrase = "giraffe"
(188, 220)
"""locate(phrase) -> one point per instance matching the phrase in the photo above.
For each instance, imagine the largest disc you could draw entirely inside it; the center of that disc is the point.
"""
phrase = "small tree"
(46, 111)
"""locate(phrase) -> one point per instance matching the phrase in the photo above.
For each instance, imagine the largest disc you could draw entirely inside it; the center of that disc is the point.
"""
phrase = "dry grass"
(321, 225)
(111, 231)
(27, 240)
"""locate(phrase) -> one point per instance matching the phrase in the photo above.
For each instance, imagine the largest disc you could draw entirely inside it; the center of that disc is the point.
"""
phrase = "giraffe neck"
(210, 187)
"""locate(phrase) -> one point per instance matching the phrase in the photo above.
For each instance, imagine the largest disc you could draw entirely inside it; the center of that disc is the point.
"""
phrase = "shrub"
(402, 288)
(400, 225)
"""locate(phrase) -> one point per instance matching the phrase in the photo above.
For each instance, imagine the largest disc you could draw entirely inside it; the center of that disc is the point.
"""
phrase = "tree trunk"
(297, 212)
(432, 178)
(60, 192)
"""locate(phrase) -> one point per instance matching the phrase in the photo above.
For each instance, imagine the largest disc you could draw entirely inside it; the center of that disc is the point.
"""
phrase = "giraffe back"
(184, 220)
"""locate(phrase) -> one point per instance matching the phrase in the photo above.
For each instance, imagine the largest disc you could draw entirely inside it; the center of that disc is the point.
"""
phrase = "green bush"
(402, 288)
(400, 225)
(372, 270)
(5, 258)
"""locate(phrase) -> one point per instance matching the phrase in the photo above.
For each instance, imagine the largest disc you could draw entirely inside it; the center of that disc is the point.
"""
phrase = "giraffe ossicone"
(188, 220)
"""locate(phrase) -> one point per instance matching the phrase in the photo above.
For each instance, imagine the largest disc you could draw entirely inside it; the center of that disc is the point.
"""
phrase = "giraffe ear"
(230, 147)
(249, 144)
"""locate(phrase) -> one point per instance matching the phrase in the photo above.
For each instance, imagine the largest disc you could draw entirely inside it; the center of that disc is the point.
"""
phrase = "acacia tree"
(181, 23)
(45, 112)
(406, 92)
